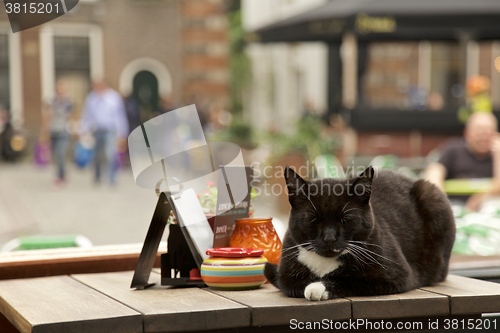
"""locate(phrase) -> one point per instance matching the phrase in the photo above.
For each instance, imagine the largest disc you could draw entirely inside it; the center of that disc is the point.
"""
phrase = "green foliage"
(239, 62)
(307, 140)
(208, 199)
(239, 132)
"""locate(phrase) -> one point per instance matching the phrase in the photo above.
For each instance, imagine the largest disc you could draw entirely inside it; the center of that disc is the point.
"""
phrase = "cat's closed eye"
(311, 220)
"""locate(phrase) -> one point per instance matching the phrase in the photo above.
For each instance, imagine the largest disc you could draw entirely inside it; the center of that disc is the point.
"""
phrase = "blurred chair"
(328, 166)
(46, 242)
(385, 162)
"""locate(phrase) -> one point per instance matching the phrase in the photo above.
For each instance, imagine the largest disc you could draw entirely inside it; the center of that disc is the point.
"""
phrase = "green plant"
(239, 132)
(307, 139)
(208, 199)
(239, 61)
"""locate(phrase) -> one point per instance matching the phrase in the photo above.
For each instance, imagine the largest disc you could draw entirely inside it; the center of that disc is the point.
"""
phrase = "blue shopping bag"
(82, 155)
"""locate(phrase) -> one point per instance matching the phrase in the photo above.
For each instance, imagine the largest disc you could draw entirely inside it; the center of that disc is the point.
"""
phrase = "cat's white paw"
(316, 291)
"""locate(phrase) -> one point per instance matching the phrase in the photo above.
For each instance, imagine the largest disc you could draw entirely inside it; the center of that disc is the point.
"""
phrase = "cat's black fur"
(403, 232)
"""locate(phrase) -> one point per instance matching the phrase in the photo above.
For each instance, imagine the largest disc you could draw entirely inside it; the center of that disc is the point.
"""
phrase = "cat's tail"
(271, 273)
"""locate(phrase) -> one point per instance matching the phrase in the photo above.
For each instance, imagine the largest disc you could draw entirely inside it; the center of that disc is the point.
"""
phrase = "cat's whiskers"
(366, 253)
(367, 256)
(286, 253)
(311, 210)
(312, 204)
(381, 256)
(352, 252)
(366, 243)
(360, 254)
(342, 212)
(351, 209)
(296, 246)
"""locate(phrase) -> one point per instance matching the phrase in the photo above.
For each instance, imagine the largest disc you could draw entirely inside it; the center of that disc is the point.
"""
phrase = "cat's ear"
(297, 187)
(362, 186)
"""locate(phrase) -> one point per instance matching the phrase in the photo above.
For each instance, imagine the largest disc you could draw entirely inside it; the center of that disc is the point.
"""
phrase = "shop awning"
(389, 20)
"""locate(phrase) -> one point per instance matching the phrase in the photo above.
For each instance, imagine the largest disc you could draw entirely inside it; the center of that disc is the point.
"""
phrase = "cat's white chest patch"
(317, 264)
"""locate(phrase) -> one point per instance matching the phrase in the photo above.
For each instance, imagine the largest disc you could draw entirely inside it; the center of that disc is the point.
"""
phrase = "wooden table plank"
(270, 307)
(167, 309)
(468, 296)
(62, 304)
(415, 303)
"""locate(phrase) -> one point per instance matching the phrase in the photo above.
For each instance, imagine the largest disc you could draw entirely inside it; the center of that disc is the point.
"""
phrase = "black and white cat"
(363, 236)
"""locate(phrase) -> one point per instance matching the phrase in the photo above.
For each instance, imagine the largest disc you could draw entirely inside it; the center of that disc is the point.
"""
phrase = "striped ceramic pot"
(234, 268)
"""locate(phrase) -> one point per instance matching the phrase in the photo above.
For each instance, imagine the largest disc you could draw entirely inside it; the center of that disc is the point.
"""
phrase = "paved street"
(29, 205)
(106, 215)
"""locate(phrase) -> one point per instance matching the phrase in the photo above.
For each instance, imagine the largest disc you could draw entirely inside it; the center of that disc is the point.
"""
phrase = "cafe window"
(391, 75)
(446, 88)
(72, 63)
(400, 76)
(4, 73)
(489, 67)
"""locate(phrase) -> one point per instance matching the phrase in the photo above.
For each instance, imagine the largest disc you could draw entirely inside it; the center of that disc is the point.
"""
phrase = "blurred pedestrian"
(104, 117)
(13, 140)
(476, 156)
(4, 128)
(55, 124)
(133, 112)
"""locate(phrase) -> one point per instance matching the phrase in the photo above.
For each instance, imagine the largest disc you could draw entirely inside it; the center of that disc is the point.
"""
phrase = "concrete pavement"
(30, 205)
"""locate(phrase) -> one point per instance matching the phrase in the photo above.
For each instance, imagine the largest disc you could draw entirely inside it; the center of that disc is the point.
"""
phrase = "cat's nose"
(329, 238)
(329, 241)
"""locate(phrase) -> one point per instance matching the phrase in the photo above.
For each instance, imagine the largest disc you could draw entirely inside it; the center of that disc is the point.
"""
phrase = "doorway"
(145, 92)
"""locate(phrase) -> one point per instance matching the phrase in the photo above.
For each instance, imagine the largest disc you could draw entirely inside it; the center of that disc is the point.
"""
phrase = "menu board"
(233, 201)
(191, 218)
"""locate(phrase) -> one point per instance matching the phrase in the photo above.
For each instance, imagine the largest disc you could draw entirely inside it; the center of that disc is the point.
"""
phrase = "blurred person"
(476, 156)
(12, 140)
(4, 116)
(435, 101)
(133, 110)
(55, 125)
(104, 117)
(4, 119)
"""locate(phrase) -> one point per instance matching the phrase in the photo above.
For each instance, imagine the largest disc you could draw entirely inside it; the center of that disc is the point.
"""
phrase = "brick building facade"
(181, 46)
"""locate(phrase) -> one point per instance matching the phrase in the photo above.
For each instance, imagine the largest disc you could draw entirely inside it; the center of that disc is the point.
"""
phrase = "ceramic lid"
(235, 252)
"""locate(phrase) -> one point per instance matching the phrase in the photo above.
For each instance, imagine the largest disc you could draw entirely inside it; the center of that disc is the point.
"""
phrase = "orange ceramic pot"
(257, 233)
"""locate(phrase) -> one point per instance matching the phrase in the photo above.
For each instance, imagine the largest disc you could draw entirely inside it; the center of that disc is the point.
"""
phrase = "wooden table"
(104, 303)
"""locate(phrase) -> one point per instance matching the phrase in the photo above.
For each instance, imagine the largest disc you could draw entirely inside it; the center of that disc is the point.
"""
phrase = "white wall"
(284, 75)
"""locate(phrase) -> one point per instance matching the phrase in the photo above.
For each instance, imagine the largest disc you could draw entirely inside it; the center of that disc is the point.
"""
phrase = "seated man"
(477, 156)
